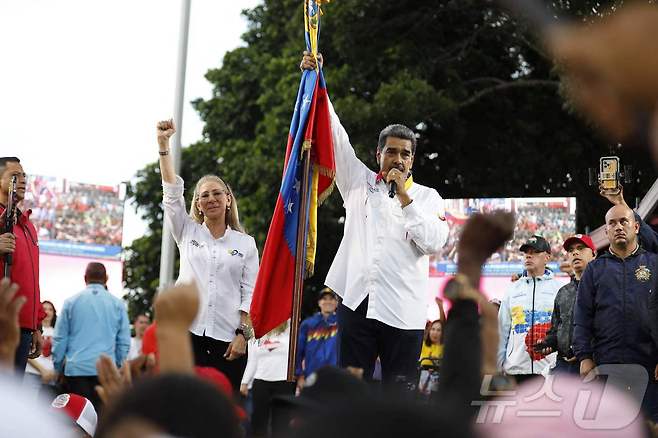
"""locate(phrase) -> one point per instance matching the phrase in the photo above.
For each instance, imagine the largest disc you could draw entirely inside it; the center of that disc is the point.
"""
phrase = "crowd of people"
(551, 222)
(74, 212)
(368, 362)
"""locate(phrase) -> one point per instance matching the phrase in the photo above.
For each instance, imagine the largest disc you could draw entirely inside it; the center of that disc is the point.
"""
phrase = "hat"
(537, 243)
(221, 382)
(327, 291)
(582, 238)
(79, 409)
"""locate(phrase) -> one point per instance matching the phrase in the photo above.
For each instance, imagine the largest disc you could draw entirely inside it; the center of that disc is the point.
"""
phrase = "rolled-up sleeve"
(248, 281)
(428, 229)
(173, 203)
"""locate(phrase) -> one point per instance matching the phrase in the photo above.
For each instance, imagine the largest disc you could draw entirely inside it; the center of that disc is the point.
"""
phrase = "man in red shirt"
(21, 243)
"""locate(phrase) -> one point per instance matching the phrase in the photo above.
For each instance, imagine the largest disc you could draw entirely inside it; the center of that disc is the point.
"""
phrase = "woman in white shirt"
(218, 256)
(266, 373)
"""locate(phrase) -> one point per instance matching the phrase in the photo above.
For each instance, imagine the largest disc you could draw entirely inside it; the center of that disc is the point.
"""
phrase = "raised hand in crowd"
(7, 243)
(9, 329)
(175, 310)
(482, 236)
(462, 368)
(611, 69)
(113, 382)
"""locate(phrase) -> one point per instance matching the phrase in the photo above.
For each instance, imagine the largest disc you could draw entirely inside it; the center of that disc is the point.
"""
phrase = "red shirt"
(25, 270)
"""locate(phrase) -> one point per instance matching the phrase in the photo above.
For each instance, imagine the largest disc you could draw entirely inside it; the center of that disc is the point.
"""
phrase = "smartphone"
(609, 173)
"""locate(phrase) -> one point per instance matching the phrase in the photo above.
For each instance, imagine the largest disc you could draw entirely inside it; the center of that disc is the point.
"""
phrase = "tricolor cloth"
(79, 409)
(310, 128)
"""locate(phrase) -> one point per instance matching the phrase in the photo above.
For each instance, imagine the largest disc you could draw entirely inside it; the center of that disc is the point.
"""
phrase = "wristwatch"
(245, 330)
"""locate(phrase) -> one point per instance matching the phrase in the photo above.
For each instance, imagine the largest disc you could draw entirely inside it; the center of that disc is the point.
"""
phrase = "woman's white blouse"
(223, 269)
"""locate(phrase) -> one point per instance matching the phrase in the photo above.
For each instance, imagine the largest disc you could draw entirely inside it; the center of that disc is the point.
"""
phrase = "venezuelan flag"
(310, 128)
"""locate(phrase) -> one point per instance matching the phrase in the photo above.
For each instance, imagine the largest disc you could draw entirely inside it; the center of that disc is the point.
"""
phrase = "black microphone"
(393, 188)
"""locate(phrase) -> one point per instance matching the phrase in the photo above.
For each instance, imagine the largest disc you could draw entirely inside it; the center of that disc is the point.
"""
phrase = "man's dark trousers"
(362, 340)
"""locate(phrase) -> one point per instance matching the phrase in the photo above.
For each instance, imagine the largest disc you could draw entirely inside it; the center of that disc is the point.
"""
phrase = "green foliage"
(476, 85)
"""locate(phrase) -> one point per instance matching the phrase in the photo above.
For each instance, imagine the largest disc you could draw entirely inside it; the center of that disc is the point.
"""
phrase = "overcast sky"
(83, 82)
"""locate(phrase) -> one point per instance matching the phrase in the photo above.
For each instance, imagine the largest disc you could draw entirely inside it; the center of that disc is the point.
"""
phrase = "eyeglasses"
(214, 193)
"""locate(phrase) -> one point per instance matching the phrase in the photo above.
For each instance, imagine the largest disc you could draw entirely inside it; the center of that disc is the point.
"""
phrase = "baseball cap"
(537, 243)
(327, 291)
(582, 238)
(79, 409)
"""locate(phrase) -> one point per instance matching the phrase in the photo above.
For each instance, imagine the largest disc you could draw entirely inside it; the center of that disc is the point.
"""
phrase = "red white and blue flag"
(310, 128)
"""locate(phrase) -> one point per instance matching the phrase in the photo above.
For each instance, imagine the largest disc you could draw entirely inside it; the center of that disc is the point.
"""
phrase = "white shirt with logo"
(223, 269)
(384, 253)
(268, 358)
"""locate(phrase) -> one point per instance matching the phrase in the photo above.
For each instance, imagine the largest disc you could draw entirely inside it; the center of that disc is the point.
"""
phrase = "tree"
(476, 85)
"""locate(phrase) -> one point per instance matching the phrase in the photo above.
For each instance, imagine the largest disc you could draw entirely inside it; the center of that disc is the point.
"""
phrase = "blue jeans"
(23, 349)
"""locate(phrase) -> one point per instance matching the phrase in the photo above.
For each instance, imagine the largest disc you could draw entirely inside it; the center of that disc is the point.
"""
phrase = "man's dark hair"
(180, 405)
(5, 160)
(96, 273)
(397, 131)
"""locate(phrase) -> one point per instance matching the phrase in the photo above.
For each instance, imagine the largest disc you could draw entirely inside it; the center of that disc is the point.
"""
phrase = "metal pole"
(300, 258)
(168, 249)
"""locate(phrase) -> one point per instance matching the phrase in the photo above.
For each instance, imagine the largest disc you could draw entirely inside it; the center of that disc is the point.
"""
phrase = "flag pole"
(300, 257)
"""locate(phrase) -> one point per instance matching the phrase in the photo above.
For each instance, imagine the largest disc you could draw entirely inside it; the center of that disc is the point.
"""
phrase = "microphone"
(393, 188)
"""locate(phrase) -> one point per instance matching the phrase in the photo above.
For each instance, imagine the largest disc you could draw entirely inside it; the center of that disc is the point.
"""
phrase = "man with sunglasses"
(21, 244)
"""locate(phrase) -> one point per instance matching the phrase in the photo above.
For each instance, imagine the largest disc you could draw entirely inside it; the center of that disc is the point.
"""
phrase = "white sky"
(83, 82)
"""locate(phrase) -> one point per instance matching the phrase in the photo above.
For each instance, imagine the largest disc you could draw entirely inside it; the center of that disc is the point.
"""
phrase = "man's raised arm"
(349, 169)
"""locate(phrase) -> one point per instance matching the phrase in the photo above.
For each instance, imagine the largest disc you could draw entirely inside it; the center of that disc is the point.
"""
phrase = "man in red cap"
(580, 251)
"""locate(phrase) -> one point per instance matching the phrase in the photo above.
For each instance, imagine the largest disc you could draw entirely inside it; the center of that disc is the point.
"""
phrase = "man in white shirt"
(140, 323)
(382, 265)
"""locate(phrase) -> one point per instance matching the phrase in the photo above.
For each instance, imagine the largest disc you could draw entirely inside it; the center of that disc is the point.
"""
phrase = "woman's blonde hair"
(279, 329)
(232, 217)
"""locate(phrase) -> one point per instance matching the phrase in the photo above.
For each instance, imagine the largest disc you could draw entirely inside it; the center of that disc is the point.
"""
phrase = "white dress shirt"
(223, 269)
(385, 249)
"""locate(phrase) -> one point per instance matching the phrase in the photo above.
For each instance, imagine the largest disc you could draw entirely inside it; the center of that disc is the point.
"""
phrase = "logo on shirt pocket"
(235, 252)
(195, 243)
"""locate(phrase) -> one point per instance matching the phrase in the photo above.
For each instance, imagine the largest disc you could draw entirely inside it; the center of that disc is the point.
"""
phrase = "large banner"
(76, 219)
(552, 218)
